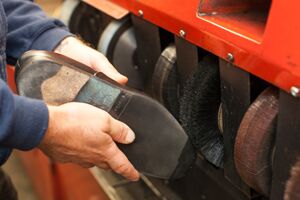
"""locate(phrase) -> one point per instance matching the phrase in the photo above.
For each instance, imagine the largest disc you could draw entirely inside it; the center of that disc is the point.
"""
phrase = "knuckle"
(86, 165)
(107, 141)
(107, 148)
(123, 169)
(121, 135)
(106, 122)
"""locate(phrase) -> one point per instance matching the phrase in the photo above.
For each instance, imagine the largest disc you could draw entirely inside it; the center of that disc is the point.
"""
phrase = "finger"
(121, 165)
(104, 66)
(86, 165)
(114, 74)
(103, 165)
(120, 132)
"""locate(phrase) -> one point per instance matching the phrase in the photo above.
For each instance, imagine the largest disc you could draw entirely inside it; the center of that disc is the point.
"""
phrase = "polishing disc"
(118, 44)
(254, 145)
(292, 190)
(199, 108)
(165, 87)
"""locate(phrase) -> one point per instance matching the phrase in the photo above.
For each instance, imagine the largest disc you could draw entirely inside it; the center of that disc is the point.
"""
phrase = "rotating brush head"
(199, 111)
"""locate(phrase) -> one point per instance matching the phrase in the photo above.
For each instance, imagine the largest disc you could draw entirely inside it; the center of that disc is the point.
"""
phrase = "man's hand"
(77, 50)
(83, 134)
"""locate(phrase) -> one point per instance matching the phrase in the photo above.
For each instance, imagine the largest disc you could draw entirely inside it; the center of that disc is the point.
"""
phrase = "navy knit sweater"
(23, 26)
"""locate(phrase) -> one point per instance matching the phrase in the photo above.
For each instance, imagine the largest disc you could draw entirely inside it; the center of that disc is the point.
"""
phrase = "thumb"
(101, 64)
(115, 75)
(120, 132)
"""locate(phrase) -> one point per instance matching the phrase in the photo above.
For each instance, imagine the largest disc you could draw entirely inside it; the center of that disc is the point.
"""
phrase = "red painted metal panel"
(11, 78)
(53, 181)
(268, 50)
(77, 183)
(38, 168)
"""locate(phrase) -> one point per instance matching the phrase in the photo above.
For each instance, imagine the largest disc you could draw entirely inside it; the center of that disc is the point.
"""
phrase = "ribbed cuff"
(30, 123)
(49, 39)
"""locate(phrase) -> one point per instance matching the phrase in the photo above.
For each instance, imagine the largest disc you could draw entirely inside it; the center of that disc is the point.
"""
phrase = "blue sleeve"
(29, 28)
(23, 121)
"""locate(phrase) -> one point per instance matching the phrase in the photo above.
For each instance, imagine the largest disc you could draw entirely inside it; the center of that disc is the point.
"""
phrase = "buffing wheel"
(254, 144)
(118, 44)
(199, 109)
(292, 190)
(87, 22)
(165, 87)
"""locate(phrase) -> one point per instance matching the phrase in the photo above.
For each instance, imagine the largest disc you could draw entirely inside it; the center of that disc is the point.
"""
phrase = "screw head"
(230, 57)
(135, 67)
(140, 13)
(182, 33)
(295, 91)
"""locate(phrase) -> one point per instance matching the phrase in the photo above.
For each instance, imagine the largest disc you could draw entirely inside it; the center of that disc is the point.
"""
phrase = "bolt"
(135, 67)
(295, 91)
(140, 13)
(230, 57)
(182, 33)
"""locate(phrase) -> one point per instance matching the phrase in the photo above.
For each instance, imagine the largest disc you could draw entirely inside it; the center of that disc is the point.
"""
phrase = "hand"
(77, 50)
(83, 134)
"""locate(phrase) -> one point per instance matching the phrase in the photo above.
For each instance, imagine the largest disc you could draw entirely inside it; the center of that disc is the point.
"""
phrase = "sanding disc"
(292, 190)
(254, 144)
(199, 108)
(165, 87)
(118, 44)
(87, 22)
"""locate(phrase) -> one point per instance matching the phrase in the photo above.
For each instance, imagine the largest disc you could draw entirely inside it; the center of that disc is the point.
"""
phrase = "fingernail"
(135, 176)
(130, 136)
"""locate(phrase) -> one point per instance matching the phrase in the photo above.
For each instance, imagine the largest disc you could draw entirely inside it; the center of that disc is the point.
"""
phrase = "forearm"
(29, 28)
(23, 120)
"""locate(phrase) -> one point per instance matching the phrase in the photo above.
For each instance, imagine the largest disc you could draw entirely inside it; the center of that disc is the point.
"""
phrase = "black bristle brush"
(199, 109)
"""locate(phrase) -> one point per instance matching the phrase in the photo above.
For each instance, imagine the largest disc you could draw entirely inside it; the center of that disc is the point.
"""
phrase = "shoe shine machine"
(226, 70)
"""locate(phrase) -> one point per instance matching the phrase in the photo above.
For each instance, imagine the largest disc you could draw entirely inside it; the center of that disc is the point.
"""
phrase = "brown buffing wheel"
(254, 144)
(292, 190)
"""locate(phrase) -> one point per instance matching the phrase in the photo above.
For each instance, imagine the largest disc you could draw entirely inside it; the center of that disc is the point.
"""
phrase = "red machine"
(228, 70)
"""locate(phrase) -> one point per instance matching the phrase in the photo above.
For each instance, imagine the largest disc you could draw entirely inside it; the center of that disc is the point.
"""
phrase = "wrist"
(52, 126)
(65, 44)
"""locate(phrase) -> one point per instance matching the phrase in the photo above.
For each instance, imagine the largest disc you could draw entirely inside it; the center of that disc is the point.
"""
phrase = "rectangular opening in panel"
(245, 17)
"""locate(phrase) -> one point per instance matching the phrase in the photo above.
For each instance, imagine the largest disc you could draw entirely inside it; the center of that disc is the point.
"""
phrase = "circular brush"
(292, 189)
(199, 109)
(165, 87)
(254, 144)
(87, 22)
